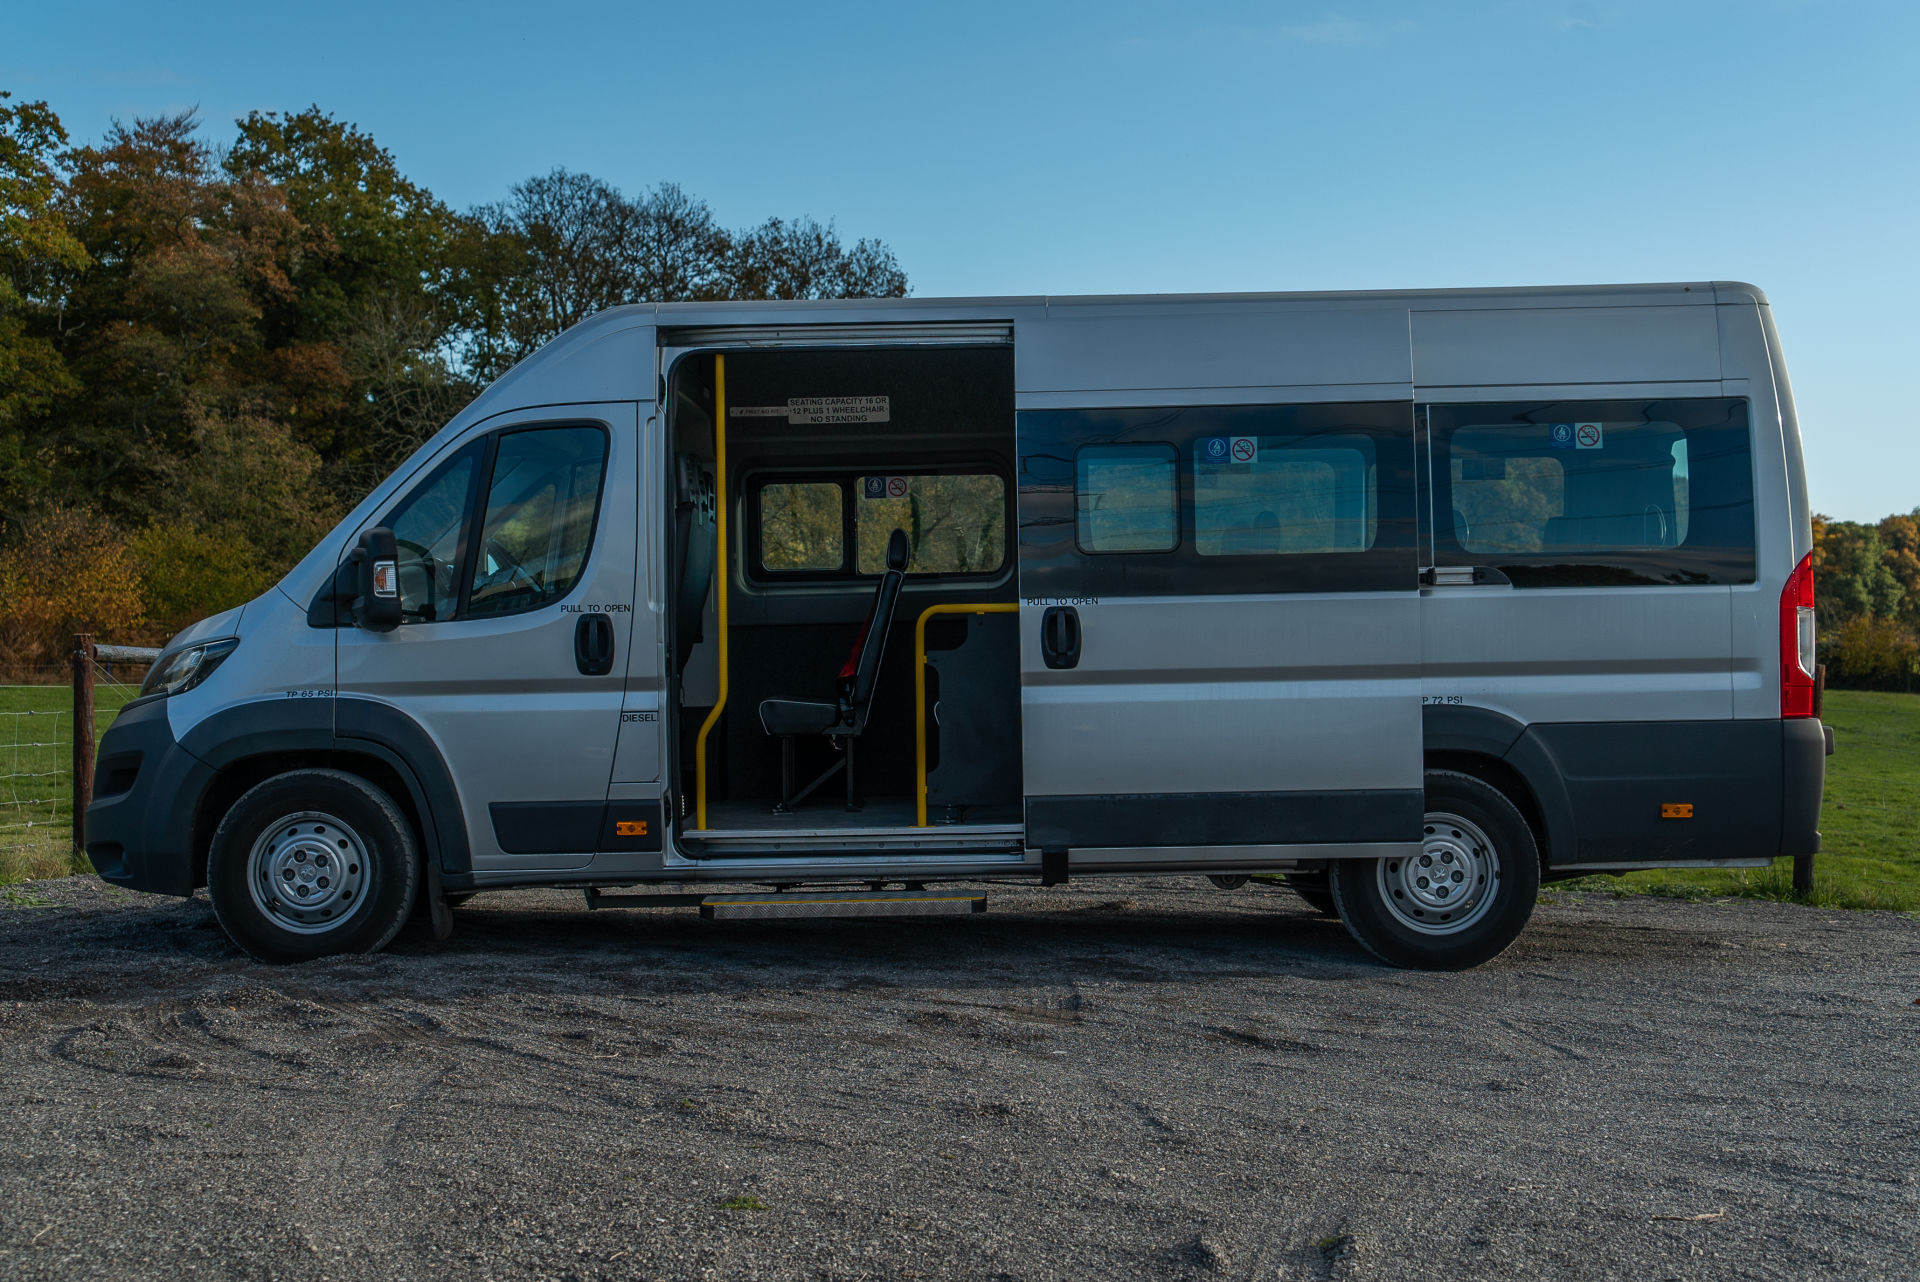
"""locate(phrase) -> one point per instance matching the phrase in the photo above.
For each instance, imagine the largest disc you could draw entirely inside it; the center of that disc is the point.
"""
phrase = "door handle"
(593, 645)
(1060, 637)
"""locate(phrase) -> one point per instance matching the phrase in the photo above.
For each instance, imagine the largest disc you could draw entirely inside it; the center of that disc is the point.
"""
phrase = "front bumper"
(139, 829)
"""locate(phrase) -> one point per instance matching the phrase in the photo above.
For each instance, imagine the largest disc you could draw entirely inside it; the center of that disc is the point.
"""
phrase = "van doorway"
(843, 642)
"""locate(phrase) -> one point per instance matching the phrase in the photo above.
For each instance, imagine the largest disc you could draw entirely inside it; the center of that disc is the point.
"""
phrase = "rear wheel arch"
(1498, 773)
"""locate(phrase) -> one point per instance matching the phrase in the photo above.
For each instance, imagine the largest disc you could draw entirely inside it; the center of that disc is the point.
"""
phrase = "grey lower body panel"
(1208, 819)
(1750, 789)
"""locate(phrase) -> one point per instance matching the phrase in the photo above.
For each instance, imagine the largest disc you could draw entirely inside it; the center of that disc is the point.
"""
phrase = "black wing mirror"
(376, 601)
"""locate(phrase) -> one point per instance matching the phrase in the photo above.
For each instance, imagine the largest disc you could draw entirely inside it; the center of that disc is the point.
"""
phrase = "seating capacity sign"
(813, 411)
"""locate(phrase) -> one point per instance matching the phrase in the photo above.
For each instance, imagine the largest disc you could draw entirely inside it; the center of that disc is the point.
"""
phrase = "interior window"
(1281, 495)
(429, 526)
(1126, 498)
(801, 526)
(541, 503)
(955, 523)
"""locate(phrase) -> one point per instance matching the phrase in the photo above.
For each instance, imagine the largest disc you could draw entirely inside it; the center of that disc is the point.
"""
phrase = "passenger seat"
(843, 720)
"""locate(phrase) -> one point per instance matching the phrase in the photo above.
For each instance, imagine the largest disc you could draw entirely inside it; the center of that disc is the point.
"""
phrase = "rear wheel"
(1463, 898)
(312, 862)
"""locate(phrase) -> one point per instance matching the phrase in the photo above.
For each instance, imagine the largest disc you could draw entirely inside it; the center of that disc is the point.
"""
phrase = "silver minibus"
(1416, 599)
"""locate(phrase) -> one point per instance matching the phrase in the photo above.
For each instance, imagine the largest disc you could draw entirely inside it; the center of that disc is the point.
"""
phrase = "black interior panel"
(947, 407)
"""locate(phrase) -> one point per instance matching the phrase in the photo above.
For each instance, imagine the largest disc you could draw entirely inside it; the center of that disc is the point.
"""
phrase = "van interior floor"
(882, 824)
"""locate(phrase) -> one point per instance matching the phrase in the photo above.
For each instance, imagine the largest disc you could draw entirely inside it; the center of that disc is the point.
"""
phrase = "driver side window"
(541, 491)
(541, 503)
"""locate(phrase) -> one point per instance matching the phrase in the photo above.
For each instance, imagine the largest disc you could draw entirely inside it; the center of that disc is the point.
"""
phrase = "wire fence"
(39, 752)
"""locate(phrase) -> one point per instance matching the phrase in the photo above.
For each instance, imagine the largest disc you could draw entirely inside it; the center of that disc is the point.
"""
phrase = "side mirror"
(376, 602)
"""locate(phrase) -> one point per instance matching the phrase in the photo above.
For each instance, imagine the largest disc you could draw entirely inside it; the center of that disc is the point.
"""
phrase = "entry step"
(808, 903)
(858, 903)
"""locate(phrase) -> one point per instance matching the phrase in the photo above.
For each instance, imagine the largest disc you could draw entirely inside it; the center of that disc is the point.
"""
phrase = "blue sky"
(1120, 147)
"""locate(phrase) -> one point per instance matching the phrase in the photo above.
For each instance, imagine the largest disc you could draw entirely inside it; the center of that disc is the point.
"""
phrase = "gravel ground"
(1115, 1079)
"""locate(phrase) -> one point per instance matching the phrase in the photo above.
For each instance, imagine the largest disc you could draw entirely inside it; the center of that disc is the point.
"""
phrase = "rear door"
(1220, 633)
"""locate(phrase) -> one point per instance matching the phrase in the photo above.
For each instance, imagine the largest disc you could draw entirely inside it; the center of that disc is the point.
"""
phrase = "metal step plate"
(846, 903)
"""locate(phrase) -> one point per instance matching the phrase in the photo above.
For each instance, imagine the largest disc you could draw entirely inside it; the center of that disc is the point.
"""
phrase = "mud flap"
(436, 893)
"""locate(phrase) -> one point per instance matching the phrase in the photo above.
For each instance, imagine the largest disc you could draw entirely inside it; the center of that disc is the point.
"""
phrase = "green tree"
(1900, 536)
(34, 244)
(1851, 576)
(360, 346)
(164, 321)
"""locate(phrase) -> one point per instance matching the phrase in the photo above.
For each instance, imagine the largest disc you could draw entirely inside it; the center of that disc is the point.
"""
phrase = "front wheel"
(310, 863)
(1459, 902)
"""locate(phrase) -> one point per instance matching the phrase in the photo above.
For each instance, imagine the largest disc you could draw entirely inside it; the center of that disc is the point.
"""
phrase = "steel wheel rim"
(1450, 885)
(308, 873)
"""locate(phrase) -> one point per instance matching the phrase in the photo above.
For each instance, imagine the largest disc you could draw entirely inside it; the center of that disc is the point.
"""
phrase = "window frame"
(847, 476)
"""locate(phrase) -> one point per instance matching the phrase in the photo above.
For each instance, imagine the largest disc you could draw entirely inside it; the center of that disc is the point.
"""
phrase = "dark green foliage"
(216, 353)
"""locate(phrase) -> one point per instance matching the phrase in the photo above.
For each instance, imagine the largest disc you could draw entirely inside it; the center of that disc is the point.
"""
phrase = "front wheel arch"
(236, 778)
(312, 862)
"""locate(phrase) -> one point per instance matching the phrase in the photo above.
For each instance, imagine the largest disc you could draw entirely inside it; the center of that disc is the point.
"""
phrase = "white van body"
(1188, 584)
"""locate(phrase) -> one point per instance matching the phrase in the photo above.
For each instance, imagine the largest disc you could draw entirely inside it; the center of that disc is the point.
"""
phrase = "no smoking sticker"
(1246, 449)
(896, 487)
(1588, 436)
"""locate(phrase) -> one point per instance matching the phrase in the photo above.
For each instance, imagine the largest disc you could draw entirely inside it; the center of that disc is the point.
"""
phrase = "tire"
(1313, 887)
(312, 863)
(1229, 881)
(1403, 914)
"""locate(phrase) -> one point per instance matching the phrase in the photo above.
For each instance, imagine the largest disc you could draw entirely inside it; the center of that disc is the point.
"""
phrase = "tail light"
(1796, 642)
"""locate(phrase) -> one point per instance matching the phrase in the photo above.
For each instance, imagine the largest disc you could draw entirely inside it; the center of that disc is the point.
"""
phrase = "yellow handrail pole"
(920, 691)
(720, 583)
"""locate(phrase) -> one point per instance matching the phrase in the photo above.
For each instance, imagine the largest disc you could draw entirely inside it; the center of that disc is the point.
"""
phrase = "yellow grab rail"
(720, 582)
(920, 691)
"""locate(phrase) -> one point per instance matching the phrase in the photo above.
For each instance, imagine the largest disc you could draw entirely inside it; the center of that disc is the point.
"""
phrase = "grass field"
(36, 776)
(1870, 821)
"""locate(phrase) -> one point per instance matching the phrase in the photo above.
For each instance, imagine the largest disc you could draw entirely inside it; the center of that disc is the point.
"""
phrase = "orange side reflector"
(1676, 810)
(638, 827)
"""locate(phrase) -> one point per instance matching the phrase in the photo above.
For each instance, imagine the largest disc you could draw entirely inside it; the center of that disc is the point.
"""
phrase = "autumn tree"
(35, 246)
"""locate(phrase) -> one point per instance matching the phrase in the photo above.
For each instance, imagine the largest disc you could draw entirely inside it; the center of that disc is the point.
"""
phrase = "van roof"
(1679, 293)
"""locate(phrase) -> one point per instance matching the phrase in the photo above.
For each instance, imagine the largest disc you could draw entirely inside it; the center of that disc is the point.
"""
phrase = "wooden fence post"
(82, 737)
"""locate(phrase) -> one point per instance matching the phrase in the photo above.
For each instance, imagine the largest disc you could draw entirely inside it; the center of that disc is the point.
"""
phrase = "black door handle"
(1060, 637)
(593, 645)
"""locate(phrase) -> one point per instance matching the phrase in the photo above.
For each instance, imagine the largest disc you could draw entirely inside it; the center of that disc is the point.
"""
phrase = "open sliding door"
(1220, 640)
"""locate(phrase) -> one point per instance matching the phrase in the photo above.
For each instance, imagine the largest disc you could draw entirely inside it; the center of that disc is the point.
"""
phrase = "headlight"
(187, 667)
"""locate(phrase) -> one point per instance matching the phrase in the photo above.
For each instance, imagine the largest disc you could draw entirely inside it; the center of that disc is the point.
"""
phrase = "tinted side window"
(542, 499)
(1595, 493)
(1217, 499)
(1283, 495)
(1126, 498)
(430, 527)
